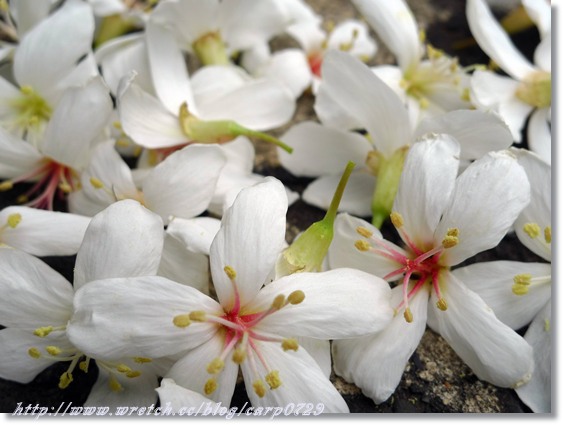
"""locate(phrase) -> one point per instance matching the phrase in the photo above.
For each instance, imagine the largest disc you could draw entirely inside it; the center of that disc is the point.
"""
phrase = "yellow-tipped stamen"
(397, 219)
(273, 379)
(43, 331)
(142, 359)
(114, 384)
(52, 350)
(34, 352)
(546, 325)
(6, 185)
(518, 289)
(84, 364)
(290, 344)
(442, 304)
(239, 355)
(523, 279)
(14, 220)
(408, 315)
(122, 368)
(97, 183)
(296, 297)
(65, 380)
(278, 302)
(259, 388)
(532, 230)
(364, 231)
(133, 374)
(210, 386)
(182, 320)
(547, 234)
(230, 272)
(450, 241)
(215, 366)
(362, 245)
(453, 231)
(197, 316)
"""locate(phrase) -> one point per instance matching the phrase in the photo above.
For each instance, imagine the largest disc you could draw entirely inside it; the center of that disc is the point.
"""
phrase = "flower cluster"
(128, 131)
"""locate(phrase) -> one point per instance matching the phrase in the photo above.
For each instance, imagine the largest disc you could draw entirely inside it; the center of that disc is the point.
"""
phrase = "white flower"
(36, 305)
(251, 326)
(443, 220)
(60, 155)
(527, 89)
(520, 293)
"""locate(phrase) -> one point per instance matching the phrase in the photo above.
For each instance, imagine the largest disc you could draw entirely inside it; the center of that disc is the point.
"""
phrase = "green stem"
(330, 215)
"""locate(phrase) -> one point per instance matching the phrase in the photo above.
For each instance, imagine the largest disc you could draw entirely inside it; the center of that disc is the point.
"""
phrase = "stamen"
(65, 380)
(273, 379)
(546, 325)
(210, 386)
(362, 245)
(133, 374)
(6, 185)
(142, 359)
(278, 302)
(97, 183)
(397, 219)
(215, 366)
(290, 344)
(532, 230)
(364, 231)
(523, 279)
(231, 274)
(114, 384)
(14, 220)
(197, 316)
(43, 331)
(52, 350)
(259, 388)
(442, 304)
(408, 315)
(84, 364)
(182, 320)
(34, 352)
(450, 241)
(547, 234)
(239, 355)
(122, 368)
(296, 297)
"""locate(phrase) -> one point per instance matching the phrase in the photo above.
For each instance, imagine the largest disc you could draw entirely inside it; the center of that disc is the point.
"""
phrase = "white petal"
(376, 363)
(124, 240)
(357, 196)
(28, 13)
(330, 148)
(50, 51)
(196, 234)
(182, 185)
(329, 110)
(343, 253)
(542, 54)
(80, 203)
(177, 397)
(251, 237)
(537, 393)
(493, 351)
(426, 185)
(145, 119)
(488, 197)
(290, 67)
(494, 41)
(540, 13)
(18, 156)
(353, 37)
(44, 233)
(77, 123)
(309, 35)
(33, 294)
(116, 318)
(318, 349)
(302, 381)
(338, 304)
(358, 90)
(477, 132)
(493, 281)
(168, 69)
(395, 24)
(539, 134)
(213, 81)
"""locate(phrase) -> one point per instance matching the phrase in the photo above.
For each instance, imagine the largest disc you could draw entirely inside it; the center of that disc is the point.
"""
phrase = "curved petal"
(539, 134)
(33, 294)
(352, 36)
(183, 184)
(177, 397)
(50, 51)
(318, 349)
(290, 67)
(124, 240)
(488, 197)
(28, 13)
(357, 196)
(358, 90)
(338, 304)
(537, 393)
(542, 54)
(44, 233)
(196, 234)
(493, 351)
(77, 123)
(302, 381)
(342, 252)
(18, 156)
(494, 41)
(426, 185)
(251, 237)
(540, 13)
(493, 282)
(395, 24)
(213, 81)
(330, 148)
(376, 363)
(116, 318)
(477, 132)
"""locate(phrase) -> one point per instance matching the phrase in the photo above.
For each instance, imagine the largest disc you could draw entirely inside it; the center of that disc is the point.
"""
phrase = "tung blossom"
(443, 220)
(250, 326)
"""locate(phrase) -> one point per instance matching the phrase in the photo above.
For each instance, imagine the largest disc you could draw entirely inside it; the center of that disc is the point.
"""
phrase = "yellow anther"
(450, 241)
(122, 368)
(52, 350)
(454, 231)
(210, 386)
(408, 315)
(278, 302)
(259, 388)
(114, 384)
(65, 380)
(239, 356)
(546, 325)
(433, 53)
(466, 95)
(97, 183)
(34, 352)
(364, 231)
(133, 374)
(273, 379)
(182, 320)
(117, 125)
(26, 89)
(43, 331)
(522, 279)
(424, 103)
(230, 272)
(362, 245)
(197, 316)
(122, 143)
(547, 234)
(519, 289)
(6, 185)
(422, 36)
(296, 297)
(215, 366)
(397, 219)
(83, 365)
(142, 359)
(442, 304)
(532, 230)
(14, 220)
(65, 187)
(22, 199)
(290, 344)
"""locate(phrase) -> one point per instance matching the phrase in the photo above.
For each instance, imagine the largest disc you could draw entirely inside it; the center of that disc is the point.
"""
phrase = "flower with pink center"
(443, 219)
(250, 326)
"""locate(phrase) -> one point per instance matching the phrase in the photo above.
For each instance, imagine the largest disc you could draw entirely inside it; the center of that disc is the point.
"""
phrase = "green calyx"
(111, 27)
(536, 90)
(210, 49)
